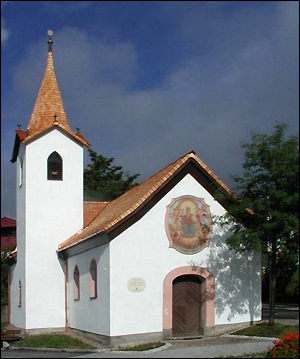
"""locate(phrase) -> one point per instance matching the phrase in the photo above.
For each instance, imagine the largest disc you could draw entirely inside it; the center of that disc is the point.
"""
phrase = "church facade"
(149, 265)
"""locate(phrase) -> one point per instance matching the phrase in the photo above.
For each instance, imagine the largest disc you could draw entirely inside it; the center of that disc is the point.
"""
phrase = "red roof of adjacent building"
(8, 222)
(7, 240)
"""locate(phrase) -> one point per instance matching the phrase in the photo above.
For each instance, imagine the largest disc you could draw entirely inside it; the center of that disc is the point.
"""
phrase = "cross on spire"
(50, 42)
(54, 118)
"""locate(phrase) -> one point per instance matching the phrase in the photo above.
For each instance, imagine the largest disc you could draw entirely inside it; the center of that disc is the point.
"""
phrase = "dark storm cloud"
(236, 71)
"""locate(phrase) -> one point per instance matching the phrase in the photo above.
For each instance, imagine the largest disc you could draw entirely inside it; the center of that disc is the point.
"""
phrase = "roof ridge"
(153, 189)
(125, 205)
(175, 165)
(169, 165)
(96, 201)
(147, 179)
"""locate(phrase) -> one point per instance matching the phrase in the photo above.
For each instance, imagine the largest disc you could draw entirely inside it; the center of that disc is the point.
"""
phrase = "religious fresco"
(188, 224)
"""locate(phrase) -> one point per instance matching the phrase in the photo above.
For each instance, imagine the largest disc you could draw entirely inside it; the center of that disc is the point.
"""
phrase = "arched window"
(76, 284)
(55, 167)
(93, 279)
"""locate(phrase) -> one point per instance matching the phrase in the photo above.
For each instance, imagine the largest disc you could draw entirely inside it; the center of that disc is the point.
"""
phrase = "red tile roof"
(8, 222)
(49, 110)
(132, 200)
(91, 211)
(48, 113)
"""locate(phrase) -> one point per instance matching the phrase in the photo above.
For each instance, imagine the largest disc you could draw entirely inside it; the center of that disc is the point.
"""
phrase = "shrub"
(285, 347)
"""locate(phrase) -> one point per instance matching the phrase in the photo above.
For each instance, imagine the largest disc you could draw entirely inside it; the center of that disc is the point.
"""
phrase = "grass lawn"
(256, 355)
(264, 330)
(142, 347)
(68, 342)
(52, 341)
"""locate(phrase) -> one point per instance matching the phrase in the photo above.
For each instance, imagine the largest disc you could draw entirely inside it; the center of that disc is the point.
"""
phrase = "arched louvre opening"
(55, 167)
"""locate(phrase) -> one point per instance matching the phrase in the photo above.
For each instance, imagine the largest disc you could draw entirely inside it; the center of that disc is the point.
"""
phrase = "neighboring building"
(149, 265)
(8, 232)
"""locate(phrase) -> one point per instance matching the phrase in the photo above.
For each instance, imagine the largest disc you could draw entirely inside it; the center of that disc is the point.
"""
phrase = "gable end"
(191, 167)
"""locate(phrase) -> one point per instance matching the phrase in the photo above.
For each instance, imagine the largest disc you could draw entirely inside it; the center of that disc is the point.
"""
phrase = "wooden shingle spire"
(48, 108)
(48, 112)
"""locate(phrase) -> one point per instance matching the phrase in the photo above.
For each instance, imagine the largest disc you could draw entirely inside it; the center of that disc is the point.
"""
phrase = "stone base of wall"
(99, 340)
(91, 338)
(36, 331)
(135, 339)
(117, 341)
(225, 328)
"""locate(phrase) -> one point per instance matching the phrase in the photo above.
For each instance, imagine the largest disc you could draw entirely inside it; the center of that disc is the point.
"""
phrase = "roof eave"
(80, 140)
(118, 225)
(16, 149)
(114, 229)
(88, 243)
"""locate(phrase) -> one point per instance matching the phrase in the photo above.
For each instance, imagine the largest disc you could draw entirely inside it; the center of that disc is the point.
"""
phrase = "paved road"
(221, 346)
(284, 313)
(200, 348)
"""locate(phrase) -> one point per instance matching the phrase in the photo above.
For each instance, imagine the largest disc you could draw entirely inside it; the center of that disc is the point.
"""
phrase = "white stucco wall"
(53, 212)
(17, 272)
(143, 251)
(90, 314)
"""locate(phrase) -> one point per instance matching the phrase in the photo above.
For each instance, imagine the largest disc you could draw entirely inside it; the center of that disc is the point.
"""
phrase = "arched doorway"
(206, 281)
(187, 305)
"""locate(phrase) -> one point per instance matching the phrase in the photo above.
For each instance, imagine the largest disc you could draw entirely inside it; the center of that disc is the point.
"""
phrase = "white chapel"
(149, 265)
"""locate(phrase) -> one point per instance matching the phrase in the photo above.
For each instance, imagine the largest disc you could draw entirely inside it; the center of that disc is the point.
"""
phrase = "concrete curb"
(129, 352)
(55, 349)
(163, 347)
(248, 336)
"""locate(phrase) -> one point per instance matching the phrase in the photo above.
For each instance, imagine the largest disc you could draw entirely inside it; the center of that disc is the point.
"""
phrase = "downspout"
(11, 260)
(8, 295)
(66, 295)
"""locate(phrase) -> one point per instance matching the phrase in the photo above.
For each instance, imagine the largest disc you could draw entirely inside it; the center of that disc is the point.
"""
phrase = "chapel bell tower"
(49, 158)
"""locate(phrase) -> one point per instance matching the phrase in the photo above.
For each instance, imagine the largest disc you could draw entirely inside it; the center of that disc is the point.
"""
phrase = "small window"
(55, 167)
(93, 279)
(20, 294)
(76, 284)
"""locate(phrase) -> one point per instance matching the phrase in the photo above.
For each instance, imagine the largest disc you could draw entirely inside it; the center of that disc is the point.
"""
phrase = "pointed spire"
(49, 102)
(48, 112)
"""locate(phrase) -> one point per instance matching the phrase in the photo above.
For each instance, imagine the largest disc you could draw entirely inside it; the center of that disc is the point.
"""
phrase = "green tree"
(293, 286)
(269, 187)
(4, 274)
(103, 181)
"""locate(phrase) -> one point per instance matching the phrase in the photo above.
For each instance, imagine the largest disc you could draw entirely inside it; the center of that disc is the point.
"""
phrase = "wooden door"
(186, 306)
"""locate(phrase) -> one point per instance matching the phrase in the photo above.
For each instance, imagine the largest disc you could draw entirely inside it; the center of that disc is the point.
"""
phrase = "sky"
(148, 81)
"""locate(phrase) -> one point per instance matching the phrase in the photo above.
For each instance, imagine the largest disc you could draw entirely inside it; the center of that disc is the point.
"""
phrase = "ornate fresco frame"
(195, 228)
